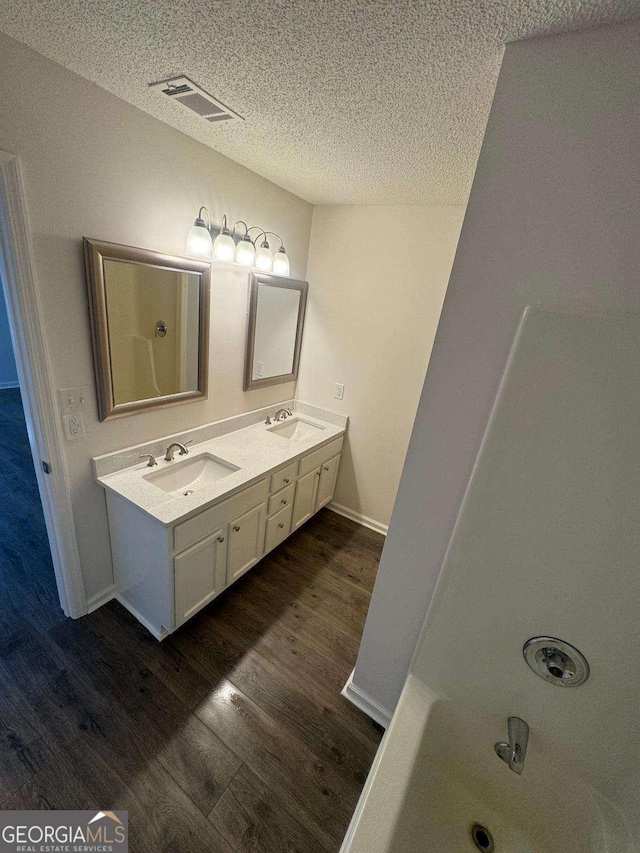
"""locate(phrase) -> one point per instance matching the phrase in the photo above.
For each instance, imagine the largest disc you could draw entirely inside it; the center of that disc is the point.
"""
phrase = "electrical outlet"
(73, 400)
(338, 391)
(259, 373)
(74, 426)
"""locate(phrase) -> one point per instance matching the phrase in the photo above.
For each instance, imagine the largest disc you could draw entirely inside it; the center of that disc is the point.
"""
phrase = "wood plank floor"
(229, 736)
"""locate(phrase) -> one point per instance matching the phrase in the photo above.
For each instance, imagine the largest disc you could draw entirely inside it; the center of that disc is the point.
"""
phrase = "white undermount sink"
(192, 474)
(295, 429)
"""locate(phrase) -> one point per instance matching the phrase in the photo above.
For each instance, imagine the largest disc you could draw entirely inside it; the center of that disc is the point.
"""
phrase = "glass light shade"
(281, 262)
(264, 258)
(199, 241)
(245, 252)
(224, 249)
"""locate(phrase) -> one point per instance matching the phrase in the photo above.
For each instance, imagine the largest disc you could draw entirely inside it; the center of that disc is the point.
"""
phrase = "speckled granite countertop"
(254, 450)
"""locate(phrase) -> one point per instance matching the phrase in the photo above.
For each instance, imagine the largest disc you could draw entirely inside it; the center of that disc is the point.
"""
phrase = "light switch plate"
(338, 391)
(73, 400)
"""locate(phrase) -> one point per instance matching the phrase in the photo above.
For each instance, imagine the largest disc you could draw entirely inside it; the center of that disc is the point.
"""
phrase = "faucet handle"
(268, 421)
(151, 459)
(514, 752)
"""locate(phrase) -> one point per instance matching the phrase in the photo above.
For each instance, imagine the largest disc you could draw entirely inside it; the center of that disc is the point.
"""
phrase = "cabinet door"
(199, 575)
(327, 483)
(304, 503)
(246, 541)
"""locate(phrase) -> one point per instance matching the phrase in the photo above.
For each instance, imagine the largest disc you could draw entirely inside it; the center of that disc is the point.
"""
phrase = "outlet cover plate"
(74, 426)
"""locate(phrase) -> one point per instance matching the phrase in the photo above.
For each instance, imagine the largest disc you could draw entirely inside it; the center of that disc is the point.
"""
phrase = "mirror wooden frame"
(255, 280)
(96, 252)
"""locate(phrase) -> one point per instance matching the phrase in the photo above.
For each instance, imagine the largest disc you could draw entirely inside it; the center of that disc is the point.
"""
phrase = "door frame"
(46, 439)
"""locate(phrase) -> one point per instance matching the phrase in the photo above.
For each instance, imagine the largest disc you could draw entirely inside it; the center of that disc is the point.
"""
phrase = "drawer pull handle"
(326, 467)
(236, 528)
(221, 539)
(287, 480)
(281, 525)
(283, 501)
(318, 473)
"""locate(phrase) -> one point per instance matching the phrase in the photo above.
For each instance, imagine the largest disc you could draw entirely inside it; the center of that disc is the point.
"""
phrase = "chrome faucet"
(182, 448)
(514, 752)
(282, 414)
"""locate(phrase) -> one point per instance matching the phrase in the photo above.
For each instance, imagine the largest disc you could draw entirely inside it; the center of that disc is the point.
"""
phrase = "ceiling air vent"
(192, 97)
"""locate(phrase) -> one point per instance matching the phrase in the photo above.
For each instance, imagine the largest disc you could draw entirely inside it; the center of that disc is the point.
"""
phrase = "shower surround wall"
(553, 220)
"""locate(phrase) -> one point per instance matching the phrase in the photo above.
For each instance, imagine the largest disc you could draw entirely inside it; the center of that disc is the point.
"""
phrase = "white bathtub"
(547, 543)
(436, 775)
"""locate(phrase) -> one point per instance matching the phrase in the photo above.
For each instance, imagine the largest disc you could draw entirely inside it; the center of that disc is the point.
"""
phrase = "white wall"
(553, 219)
(377, 278)
(8, 372)
(97, 167)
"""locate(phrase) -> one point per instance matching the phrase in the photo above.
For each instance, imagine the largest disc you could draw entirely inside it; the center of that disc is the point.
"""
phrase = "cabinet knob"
(287, 480)
(326, 467)
(236, 528)
(281, 525)
(283, 501)
(318, 473)
(220, 539)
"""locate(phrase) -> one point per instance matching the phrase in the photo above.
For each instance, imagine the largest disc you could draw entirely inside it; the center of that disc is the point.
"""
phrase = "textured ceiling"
(345, 102)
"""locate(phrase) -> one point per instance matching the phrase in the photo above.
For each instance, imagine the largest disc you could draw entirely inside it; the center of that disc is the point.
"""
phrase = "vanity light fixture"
(199, 241)
(224, 247)
(245, 250)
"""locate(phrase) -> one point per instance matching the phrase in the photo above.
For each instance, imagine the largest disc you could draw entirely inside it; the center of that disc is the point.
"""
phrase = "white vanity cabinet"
(327, 482)
(246, 541)
(205, 569)
(314, 489)
(305, 500)
(165, 573)
(200, 574)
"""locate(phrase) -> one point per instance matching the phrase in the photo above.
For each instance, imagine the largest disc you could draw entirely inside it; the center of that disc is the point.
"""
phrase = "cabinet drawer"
(283, 478)
(281, 499)
(278, 528)
(322, 454)
(217, 516)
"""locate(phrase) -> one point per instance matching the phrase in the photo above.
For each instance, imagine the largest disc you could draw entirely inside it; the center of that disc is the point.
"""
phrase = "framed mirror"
(274, 335)
(150, 327)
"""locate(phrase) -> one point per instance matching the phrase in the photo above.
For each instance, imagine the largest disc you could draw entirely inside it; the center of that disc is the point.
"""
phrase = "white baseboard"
(363, 701)
(159, 635)
(371, 523)
(13, 384)
(100, 598)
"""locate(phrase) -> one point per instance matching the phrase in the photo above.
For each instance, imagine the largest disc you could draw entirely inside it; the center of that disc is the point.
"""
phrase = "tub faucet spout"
(514, 752)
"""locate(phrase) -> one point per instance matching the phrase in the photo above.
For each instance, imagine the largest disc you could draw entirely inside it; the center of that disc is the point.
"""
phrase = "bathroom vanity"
(184, 530)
